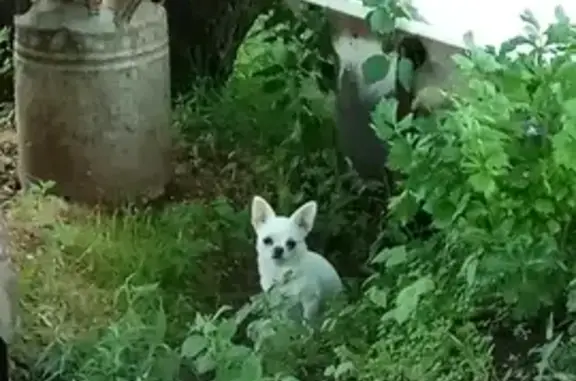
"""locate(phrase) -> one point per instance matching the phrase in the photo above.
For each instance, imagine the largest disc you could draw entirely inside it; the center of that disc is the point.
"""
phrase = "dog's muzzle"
(278, 252)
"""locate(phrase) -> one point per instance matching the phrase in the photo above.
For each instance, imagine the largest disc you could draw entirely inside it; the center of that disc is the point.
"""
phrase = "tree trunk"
(204, 39)
(7, 11)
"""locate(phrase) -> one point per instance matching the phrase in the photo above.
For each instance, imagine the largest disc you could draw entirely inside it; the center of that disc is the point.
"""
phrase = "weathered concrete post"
(92, 99)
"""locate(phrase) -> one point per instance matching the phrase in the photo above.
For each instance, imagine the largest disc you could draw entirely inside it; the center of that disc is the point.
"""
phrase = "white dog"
(285, 262)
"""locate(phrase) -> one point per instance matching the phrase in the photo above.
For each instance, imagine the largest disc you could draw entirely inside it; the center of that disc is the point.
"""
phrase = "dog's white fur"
(299, 273)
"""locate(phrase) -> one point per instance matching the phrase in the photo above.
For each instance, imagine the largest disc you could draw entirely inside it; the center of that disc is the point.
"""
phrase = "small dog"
(284, 261)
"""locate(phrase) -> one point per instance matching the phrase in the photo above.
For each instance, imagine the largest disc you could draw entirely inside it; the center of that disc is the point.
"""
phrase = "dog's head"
(281, 238)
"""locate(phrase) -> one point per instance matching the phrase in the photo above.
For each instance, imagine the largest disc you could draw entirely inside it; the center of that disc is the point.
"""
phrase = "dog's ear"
(305, 215)
(261, 212)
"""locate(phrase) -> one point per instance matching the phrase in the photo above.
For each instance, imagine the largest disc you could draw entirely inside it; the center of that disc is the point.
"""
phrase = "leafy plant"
(132, 348)
(493, 170)
(503, 148)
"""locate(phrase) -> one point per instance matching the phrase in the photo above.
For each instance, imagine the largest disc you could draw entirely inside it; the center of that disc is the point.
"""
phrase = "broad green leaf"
(569, 107)
(200, 320)
(571, 301)
(403, 207)
(329, 371)
(565, 73)
(228, 370)
(483, 183)
(408, 298)
(532, 33)
(227, 329)
(251, 369)
(528, 17)
(512, 44)
(378, 296)
(558, 33)
(471, 271)
(384, 117)
(463, 62)
(392, 256)
(469, 268)
(343, 369)
(243, 313)
(443, 211)
(375, 68)
(553, 226)
(484, 61)
(405, 73)
(381, 21)
(384, 131)
(238, 352)
(563, 149)
(205, 363)
(405, 124)
(193, 345)
(420, 286)
(461, 205)
(544, 206)
(560, 15)
(400, 155)
(404, 310)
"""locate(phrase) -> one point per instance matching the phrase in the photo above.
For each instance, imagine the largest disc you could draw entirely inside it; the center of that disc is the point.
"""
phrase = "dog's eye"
(290, 244)
(267, 241)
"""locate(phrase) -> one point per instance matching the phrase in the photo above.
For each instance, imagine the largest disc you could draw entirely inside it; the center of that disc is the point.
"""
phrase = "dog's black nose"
(277, 253)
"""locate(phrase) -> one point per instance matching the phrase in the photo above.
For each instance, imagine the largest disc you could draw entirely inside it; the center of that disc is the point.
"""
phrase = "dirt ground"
(198, 174)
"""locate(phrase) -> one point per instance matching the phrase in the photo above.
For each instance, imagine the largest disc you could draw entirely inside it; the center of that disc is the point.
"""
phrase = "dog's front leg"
(310, 307)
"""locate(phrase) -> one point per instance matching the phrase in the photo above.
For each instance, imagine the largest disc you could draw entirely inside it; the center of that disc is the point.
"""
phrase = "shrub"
(494, 169)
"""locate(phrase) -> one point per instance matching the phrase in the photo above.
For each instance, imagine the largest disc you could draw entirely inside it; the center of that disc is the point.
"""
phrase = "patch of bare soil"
(204, 173)
(199, 173)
